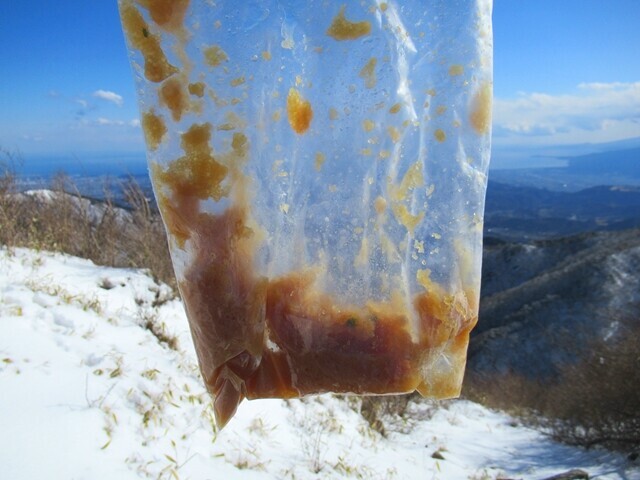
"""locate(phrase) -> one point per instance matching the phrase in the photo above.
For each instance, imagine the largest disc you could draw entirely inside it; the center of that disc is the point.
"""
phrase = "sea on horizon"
(91, 175)
(80, 165)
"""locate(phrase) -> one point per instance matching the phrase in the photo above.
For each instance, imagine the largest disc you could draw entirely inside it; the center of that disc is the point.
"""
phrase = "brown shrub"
(595, 401)
(393, 413)
(599, 397)
(61, 220)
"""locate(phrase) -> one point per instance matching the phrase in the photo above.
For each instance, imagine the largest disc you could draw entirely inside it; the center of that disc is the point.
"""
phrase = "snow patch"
(87, 391)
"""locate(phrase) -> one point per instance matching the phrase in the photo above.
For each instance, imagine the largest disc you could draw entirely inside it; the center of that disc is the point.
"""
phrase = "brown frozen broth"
(282, 337)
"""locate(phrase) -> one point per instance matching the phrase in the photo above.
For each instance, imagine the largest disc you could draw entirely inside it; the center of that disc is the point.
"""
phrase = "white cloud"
(135, 123)
(593, 112)
(32, 138)
(107, 121)
(603, 86)
(109, 96)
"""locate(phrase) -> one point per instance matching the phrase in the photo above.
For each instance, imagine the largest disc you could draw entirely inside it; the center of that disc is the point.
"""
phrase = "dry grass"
(64, 221)
(388, 414)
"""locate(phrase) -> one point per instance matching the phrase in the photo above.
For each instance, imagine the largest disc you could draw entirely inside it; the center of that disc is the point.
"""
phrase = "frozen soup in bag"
(320, 168)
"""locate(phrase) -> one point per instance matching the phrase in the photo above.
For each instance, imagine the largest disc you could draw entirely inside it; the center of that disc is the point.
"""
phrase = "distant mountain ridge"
(554, 296)
(522, 213)
(512, 212)
(618, 162)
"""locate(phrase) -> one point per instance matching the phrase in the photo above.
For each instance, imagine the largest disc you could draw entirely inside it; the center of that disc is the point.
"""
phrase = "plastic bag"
(321, 169)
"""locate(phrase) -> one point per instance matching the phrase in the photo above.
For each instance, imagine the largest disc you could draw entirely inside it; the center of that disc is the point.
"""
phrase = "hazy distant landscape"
(617, 163)
(592, 192)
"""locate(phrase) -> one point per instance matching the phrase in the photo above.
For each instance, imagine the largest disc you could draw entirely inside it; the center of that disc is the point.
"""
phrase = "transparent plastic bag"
(321, 169)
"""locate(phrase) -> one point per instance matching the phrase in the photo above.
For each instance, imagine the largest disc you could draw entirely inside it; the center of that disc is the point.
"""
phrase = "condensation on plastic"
(349, 142)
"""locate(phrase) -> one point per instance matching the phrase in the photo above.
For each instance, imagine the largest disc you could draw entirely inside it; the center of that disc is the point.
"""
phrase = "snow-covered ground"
(92, 386)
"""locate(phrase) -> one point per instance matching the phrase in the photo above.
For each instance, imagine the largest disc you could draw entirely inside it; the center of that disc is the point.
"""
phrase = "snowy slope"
(93, 386)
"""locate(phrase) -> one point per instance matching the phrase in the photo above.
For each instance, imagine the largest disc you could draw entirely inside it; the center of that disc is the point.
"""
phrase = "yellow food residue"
(480, 116)
(154, 129)
(299, 112)
(455, 70)
(394, 133)
(368, 73)
(197, 173)
(380, 205)
(214, 56)
(156, 66)
(174, 96)
(414, 178)
(400, 194)
(168, 14)
(395, 108)
(406, 218)
(343, 29)
(440, 135)
(320, 159)
(424, 279)
(197, 89)
(362, 259)
(240, 144)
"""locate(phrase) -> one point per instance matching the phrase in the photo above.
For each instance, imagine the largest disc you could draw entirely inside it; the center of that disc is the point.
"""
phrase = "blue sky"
(566, 71)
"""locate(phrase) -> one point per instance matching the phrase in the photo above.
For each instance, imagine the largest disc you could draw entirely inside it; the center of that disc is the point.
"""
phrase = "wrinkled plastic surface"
(321, 171)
